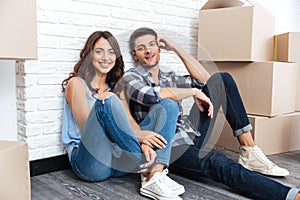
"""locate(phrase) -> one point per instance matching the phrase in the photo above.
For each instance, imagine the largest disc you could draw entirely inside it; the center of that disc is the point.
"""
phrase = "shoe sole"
(269, 174)
(179, 191)
(152, 195)
(265, 172)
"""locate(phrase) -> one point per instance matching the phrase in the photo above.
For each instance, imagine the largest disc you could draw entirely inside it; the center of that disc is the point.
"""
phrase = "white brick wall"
(63, 27)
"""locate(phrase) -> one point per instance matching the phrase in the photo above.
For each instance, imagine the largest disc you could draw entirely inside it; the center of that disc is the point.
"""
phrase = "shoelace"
(161, 186)
(156, 177)
(156, 183)
(261, 156)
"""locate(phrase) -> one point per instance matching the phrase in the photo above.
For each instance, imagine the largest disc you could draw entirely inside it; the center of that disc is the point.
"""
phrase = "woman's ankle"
(156, 168)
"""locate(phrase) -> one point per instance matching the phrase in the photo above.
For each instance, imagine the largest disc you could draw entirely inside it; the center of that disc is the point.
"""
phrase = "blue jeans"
(108, 145)
(195, 163)
(223, 92)
(162, 119)
(220, 168)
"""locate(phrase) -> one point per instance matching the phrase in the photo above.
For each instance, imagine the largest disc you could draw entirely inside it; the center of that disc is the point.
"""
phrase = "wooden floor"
(64, 185)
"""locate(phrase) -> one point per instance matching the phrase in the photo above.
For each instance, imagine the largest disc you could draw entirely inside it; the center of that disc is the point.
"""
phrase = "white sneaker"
(254, 159)
(173, 185)
(157, 189)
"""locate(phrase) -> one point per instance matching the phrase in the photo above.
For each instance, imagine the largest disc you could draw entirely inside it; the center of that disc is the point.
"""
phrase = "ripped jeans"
(108, 145)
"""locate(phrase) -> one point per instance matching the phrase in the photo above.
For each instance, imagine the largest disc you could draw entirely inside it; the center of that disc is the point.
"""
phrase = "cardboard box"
(14, 169)
(266, 88)
(287, 48)
(234, 30)
(273, 135)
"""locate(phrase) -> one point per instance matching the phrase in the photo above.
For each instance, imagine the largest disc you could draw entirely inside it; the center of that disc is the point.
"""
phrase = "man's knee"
(220, 81)
(225, 76)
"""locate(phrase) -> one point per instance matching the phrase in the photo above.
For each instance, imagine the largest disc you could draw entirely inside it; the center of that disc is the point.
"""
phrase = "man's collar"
(141, 70)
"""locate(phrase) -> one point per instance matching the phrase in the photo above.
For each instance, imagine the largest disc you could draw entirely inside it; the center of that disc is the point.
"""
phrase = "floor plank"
(65, 185)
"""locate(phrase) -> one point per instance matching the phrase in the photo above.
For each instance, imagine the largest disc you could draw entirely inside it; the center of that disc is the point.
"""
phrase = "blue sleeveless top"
(70, 129)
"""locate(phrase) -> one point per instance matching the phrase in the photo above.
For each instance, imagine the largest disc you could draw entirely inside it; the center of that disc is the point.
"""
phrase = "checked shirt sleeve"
(140, 89)
(188, 82)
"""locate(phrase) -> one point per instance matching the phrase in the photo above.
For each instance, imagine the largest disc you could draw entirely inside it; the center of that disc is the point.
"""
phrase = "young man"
(146, 84)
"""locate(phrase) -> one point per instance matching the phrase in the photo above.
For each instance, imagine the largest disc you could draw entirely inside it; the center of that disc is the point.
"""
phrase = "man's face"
(146, 51)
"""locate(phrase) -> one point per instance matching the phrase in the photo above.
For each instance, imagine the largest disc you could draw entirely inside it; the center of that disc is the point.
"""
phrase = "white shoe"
(157, 189)
(173, 185)
(254, 159)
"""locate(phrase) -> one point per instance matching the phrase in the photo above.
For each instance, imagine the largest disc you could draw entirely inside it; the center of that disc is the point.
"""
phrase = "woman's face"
(104, 57)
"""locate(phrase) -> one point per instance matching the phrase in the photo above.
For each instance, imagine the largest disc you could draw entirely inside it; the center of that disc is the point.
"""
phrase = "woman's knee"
(169, 105)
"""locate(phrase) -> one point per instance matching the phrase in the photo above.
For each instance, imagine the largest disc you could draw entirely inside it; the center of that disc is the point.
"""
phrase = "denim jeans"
(220, 168)
(162, 119)
(197, 163)
(223, 92)
(108, 145)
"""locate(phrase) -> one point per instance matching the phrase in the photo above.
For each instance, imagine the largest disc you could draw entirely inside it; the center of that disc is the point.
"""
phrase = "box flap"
(214, 4)
(8, 145)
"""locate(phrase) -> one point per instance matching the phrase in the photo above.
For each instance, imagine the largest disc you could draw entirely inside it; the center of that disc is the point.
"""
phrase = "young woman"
(100, 136)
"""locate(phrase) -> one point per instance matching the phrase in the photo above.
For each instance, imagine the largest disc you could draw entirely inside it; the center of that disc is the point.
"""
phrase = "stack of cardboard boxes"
(238, 37)
(14, 171)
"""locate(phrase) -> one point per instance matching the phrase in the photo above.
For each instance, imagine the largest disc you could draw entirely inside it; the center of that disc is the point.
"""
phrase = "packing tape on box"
(275, 56)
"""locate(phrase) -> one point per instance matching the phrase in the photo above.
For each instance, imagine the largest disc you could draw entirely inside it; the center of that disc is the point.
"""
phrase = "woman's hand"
(151, 139)
(200, 99)
(149, 154)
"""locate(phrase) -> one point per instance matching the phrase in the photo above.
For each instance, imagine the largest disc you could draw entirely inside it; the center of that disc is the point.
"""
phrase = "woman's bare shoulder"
(75, 87)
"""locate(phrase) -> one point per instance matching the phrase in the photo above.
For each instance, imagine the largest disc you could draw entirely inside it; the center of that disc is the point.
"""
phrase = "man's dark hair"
(138, 33)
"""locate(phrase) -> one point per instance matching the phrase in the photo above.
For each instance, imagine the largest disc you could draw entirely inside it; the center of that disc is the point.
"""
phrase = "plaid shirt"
(142, 92)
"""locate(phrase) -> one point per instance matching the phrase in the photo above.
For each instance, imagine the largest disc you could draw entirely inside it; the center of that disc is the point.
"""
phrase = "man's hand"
(195, 69)
(200, 99)
(165, 43)
(151, 139)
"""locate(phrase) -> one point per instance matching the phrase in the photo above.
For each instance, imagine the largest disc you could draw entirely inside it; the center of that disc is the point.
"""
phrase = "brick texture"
(63, 26)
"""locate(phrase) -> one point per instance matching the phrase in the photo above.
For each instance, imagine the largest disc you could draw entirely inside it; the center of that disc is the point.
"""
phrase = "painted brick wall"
(63, 27)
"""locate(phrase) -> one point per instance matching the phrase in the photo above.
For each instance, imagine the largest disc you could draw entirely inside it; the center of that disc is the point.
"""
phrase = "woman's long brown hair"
(84, 67)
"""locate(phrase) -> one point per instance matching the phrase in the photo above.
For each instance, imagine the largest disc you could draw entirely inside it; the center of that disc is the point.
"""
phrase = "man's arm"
(140, 92)
(177, 94)
(195, 69)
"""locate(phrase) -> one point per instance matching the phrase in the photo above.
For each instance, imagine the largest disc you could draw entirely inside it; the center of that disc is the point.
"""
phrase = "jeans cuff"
(162, 161)
(292, 193)
(242, 130)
